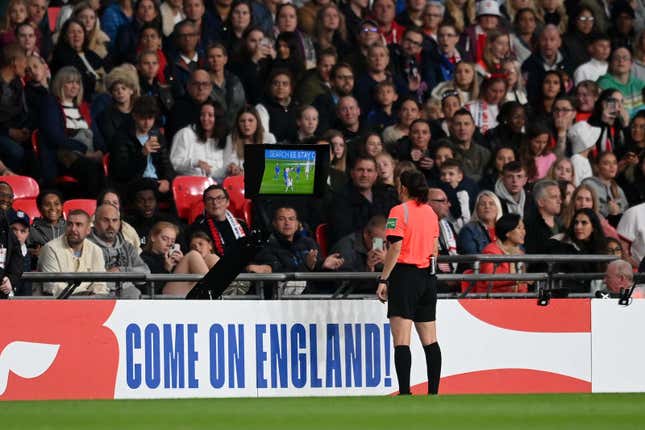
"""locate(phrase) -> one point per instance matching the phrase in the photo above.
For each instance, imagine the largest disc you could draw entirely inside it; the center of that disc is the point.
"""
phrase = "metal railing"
(546, 279)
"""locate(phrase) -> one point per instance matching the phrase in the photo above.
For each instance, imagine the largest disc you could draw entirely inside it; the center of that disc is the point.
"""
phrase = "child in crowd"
(51, 223)
(19, 224)
(461, 191)
(383, 116)
(599, 49)
(583, 138)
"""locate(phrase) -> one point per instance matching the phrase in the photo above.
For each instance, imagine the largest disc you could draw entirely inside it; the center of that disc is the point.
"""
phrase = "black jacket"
(285, 256)
(64, 55)
(128, 163)
(350, 211)
(13, 261)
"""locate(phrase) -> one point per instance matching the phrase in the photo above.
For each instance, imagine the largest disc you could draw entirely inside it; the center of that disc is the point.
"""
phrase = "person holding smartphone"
(408, 279)
(363, 251)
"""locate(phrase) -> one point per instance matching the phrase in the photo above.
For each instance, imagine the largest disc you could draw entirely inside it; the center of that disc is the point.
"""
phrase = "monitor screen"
(280, 169)
(288, 171)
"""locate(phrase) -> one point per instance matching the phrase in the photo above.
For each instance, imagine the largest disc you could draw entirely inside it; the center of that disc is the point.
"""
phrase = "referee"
(408, 278)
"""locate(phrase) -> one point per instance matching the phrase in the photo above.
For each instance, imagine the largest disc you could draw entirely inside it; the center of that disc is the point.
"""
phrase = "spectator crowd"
(527, 118)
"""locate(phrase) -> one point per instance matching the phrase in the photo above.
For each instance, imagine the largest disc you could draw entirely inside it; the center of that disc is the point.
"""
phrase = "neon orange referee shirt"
(418, 225)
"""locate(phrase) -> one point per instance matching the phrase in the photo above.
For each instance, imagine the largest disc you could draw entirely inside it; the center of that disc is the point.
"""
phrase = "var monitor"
(271, 170)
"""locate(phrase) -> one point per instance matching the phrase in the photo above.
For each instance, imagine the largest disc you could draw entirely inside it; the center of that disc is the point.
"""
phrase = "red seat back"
(465, 284)
(88, 205)
(24, 187)
(195, 210)
(28, 206)
(321, 238)
(188, 191)
(234, 186)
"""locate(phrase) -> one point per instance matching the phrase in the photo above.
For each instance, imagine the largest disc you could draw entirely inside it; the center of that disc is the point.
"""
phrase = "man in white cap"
(473, 38)
(583, 138)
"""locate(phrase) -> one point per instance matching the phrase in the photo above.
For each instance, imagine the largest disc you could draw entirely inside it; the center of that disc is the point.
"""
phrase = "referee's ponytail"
(416, 184)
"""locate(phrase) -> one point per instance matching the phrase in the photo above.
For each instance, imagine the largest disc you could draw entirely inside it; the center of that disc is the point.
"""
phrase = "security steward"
(408, 279)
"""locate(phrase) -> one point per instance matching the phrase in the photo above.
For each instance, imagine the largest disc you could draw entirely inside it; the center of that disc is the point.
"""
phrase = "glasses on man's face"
(413, 42)
(615, 250)
(586, 18)
(370, 30)
(446, 36)
(214, 199)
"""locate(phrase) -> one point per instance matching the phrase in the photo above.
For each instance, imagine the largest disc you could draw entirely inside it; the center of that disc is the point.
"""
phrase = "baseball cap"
(18, 216)
(488, 7)
(582, 136)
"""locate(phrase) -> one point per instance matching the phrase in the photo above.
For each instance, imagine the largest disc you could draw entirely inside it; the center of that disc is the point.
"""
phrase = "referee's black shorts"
(412, 293)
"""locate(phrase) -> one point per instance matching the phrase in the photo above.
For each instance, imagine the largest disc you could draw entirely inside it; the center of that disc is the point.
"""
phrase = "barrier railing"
(548, 279)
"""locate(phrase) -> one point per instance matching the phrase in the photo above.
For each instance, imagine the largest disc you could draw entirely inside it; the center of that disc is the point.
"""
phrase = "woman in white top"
(172, 12)
(197, 149)
(248, 130)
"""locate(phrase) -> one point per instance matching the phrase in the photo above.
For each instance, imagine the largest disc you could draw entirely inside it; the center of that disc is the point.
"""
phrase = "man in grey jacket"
(119, 255)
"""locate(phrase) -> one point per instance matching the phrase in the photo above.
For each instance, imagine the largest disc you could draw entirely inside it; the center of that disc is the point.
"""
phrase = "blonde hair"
(570, 209)
(459, 15)
(492, 196)
(7, 25)
(551, 173)
(561, 10)
(319, 30)
(65, 75)
(156, 229)
(97, 40)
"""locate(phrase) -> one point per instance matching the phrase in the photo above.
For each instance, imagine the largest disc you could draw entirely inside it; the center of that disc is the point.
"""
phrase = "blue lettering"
(173, 357)
(153, 369)
(333, 377)
(132, 341)
(235, 356)
(298, 359)
(316, 381)
(353, 355)
(260, 355)
(193, 356)
(278, 355)
(217, 357)
(372, 355)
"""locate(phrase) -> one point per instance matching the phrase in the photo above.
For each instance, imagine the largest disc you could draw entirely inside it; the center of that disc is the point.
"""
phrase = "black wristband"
(384, 281)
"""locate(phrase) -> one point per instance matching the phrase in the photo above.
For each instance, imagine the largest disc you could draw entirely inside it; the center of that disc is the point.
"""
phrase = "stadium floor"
(545, 411)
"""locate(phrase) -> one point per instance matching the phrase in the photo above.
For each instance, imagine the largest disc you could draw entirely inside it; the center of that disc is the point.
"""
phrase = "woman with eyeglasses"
(575, 41)
(621, 78)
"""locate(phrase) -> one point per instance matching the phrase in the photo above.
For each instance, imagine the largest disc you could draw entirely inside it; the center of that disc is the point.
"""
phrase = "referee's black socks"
(433, 362)
(402, 363)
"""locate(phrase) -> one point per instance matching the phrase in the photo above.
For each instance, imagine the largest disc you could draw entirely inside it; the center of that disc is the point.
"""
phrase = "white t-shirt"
(632, 228)
(582, 168)
(187, 151)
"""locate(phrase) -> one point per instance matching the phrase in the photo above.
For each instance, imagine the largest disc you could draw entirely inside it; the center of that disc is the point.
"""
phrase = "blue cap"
(18, 216)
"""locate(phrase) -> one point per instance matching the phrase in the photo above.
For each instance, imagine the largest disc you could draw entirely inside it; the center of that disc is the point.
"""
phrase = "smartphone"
(378, 244)
(176, 247)
(266, 42)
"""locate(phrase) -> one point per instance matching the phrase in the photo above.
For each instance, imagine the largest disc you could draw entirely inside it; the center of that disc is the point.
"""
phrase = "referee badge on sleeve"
(391, 223)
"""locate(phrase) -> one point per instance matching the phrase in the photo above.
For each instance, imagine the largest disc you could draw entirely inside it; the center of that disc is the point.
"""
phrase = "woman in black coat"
(72, 50)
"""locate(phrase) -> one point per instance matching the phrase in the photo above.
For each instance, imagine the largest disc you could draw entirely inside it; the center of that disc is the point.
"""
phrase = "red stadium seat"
(24, 187)
(28, 206)
(322, 232)
(88, 205)
(247, 212)
(187, 191)
(234, 186)
(466, 284)
(195, 210)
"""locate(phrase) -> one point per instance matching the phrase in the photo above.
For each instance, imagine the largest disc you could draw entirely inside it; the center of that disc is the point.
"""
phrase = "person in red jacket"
(510, 237)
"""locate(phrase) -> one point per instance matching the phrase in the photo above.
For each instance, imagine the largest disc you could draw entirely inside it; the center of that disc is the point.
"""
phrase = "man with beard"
(119, 255)
(10, 256)
(73, 252)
